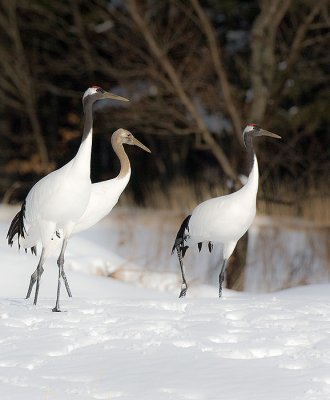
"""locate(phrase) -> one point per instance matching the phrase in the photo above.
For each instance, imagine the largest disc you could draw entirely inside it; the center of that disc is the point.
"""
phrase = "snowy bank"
(116, 340)
(286, 252)
(135, 245)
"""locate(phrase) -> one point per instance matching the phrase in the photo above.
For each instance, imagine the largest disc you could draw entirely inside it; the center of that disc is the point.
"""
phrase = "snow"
(117, 340)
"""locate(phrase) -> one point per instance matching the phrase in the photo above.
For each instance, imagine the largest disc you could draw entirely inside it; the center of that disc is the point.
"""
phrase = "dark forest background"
(195, 73)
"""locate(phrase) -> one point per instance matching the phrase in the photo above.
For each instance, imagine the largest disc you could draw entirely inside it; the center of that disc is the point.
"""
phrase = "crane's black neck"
(248, 142)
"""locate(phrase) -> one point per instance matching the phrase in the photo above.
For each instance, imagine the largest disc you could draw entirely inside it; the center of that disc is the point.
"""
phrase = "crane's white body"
(225, 219)
(104, 196)
(58, 200)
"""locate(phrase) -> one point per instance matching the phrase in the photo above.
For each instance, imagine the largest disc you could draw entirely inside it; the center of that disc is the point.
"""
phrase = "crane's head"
(123, 136)
(253, 130)
(95, 93)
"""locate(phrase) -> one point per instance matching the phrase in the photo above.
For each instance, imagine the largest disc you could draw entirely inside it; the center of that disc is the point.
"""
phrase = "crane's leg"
(60, 261)
(60, 274)
(33, 280)
(222, 276)
(39, 273)
(184, 286)
(37, 277)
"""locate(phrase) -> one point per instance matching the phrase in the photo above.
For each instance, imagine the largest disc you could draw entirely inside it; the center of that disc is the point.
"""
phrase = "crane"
(222, 219)
(104, 195)
(57, 201)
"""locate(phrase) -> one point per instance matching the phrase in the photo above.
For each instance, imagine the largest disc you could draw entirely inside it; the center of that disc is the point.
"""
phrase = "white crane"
(57, 201)
(223, 219)
(104, 195)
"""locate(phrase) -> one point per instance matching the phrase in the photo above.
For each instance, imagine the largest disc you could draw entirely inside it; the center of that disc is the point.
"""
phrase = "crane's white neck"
(125, 166)
(252, 183)
(122, 179)
(82, 159)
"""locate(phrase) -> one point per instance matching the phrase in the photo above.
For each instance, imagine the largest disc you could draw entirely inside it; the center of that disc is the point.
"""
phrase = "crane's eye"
(99, 89)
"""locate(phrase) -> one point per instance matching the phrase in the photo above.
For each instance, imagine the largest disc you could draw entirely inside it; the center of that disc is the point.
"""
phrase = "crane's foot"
(56, 309)
(183, 292)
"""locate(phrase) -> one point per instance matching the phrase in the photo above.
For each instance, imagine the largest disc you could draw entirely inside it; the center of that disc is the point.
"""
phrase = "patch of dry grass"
(278, 199)
(311, 203)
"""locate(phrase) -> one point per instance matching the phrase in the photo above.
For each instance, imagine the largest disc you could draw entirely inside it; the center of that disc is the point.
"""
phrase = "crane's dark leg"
(36, 276)
(40, 270)
(39, 273)
(222, 276)
(184, 286)
(60, 274)
(60, 261)
(33, 281)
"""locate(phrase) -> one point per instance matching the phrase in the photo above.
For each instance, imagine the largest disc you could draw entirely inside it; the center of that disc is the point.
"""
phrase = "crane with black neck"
(58, 200)
(225, 219)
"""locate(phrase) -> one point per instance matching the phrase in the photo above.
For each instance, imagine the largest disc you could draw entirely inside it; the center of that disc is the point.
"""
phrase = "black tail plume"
(181, 235)
(17, 228)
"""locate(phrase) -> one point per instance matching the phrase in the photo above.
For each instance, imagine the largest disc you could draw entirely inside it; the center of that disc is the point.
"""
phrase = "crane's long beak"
(139, 144)
(109, 95)
(270, 134)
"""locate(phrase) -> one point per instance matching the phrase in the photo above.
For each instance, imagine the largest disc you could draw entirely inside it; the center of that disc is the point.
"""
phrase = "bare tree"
(172, 58)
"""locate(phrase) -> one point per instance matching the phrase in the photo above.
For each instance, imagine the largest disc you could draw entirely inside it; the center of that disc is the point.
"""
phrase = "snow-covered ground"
(117, 340)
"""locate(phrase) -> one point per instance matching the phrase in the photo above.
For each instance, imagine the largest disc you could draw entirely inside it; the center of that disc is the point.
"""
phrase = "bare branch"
(216, 55)
(165, 63)
(294, 52)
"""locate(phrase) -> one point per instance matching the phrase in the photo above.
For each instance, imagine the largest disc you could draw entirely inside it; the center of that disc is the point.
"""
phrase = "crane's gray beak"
(139, 144)
(263, 132)
(109, 95)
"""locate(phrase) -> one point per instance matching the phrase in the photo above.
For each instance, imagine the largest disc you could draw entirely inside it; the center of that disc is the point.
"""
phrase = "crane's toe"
(183, 292)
